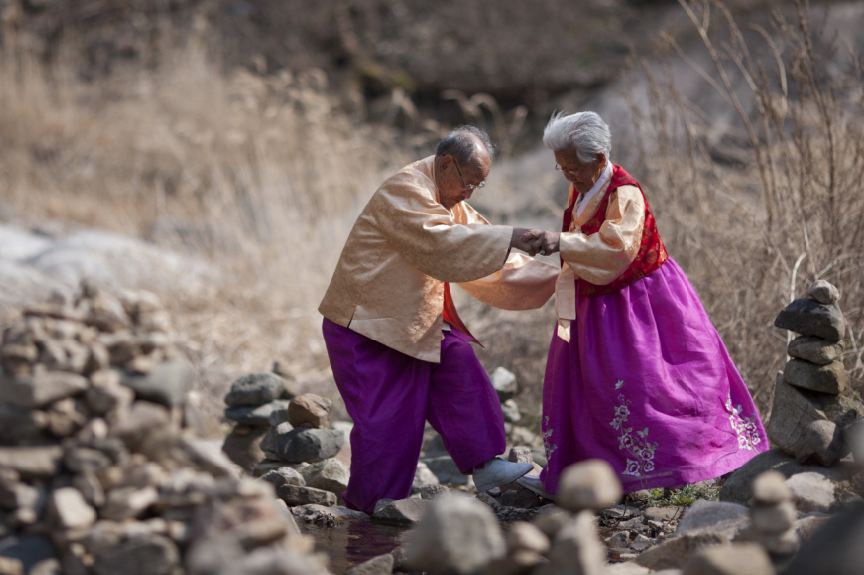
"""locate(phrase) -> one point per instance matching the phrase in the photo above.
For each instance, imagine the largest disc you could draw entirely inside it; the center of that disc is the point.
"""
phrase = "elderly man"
(399, 352)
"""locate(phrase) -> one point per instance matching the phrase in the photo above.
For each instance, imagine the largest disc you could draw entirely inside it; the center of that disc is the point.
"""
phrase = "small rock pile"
(813, 403)
(297, 443)
(773, 516)
(250, 401)
(97, 473)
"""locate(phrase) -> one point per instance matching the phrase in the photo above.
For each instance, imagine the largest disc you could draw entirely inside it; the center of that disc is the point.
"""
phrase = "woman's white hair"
(584, 132)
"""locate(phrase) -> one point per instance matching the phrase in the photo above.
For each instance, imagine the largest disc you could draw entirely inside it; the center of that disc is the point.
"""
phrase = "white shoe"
(533, 483)
(497, 472)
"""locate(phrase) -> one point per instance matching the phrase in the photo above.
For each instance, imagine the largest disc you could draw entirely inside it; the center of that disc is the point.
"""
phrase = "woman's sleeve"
(601, 257)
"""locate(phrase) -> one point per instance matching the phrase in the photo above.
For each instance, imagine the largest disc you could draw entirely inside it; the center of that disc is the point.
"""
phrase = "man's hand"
(549, 243)
(529, 241)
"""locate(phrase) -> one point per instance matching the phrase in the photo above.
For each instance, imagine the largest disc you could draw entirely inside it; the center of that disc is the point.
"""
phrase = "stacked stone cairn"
(98, 474)
(773, 516)
(298, 444)
(814, 407)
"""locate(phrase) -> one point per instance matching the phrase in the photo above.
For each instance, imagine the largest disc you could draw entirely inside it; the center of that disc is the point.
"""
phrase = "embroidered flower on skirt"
(640, 451)
(744, 427)
(547, 438)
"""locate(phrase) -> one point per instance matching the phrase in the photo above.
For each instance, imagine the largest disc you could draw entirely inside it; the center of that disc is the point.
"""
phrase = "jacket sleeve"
(426, 234)
(523, 282)
(601, 257)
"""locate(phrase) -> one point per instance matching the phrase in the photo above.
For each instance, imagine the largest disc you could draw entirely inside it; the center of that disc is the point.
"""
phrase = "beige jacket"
(389, 282)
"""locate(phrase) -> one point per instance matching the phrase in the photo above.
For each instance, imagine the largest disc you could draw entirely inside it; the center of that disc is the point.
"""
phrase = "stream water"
(354, 541)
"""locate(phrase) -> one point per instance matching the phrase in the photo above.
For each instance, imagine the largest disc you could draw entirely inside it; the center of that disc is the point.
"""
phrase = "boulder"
(831, 378)
(808, 317)
(814, 350)
(590, 484)
(402, 511)
(456, 534)
(721, 518)
(738, 486)
(812, 491)
(256, 389)
(284, 476)
(303, 445)
(309, 410)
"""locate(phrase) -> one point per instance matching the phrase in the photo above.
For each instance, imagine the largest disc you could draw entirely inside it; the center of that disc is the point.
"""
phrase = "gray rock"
(774, 519)
(822, 442)
(402, 511)
(423, 477)
(41, 388)
(834, 549)
(167, 383)
(590, 484)
(329, 475)
(256, 389)
(309, 410)
(457, 534)
(718, 517)
(732, 559)
(446, 471)
(107, 394)
(814, 350)
(301, 495)
(576, 549)
(738, 486)
(527, 536)
(511, 411)
(807, 317)
(551, 519)
(504, 382)
(70, 510)
(139, 423)
(139, 555)
(664, 514)
(243, 446)
(770, 488)
(9, 566)
(520, 454)
(303, 445)
(812, 491)
(823, 292)
(257, 415)
(32, 461)
(793, 411)
(380, 565)
(673, 552)
(128, 502)
(831, 378)
(284, 476)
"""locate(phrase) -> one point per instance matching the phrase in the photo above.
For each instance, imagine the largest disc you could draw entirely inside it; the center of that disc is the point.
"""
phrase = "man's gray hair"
(460, 143)
(584, 132)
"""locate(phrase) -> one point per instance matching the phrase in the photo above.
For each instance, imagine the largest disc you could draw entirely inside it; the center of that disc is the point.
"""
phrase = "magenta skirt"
(646, 384)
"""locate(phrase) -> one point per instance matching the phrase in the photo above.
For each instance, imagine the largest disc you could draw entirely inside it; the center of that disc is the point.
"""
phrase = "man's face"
(578, 173)
(461, 179)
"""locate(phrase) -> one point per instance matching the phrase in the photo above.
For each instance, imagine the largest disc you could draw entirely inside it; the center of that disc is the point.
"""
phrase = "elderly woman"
(637, 374)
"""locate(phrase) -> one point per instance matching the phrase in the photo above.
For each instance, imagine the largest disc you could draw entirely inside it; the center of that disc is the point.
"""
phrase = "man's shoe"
(533, 483)
(497, 472)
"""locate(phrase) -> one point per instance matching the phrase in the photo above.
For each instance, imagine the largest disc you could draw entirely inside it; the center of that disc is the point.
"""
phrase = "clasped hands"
(533, 241)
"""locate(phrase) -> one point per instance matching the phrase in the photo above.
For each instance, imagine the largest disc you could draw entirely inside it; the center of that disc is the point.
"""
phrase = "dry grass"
(784, 206)
(262, 176)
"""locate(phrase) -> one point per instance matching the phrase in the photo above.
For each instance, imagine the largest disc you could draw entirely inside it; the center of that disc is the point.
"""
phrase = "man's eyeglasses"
(470, 187)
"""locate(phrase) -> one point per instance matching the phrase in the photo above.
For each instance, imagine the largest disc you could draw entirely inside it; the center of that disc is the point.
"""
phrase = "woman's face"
(580, 174)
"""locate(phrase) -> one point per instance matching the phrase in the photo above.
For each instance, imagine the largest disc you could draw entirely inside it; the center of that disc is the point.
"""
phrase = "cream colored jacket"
(389, 282)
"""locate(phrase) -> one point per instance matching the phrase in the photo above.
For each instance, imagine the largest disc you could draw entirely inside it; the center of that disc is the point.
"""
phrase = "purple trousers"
(390, 395)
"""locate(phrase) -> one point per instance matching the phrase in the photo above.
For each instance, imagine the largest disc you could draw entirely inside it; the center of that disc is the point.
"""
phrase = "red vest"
(652, 253)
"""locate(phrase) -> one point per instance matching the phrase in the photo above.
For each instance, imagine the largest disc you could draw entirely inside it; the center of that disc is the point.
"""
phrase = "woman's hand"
(549, 243)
